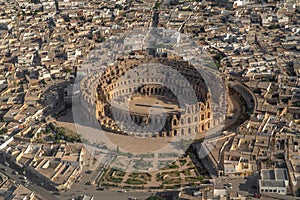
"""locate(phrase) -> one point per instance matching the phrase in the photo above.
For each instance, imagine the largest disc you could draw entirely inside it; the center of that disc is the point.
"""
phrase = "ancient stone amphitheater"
(132, 99)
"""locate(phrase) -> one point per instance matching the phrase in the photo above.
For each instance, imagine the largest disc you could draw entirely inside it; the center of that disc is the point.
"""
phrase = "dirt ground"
(125, 143)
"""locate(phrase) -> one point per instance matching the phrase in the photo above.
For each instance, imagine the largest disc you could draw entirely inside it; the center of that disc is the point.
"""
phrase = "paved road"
(246, 186)
(107, 194)
(40, 191)
(77, 188)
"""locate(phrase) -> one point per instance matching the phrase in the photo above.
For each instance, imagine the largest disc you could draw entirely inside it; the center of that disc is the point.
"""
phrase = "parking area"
(235, 184)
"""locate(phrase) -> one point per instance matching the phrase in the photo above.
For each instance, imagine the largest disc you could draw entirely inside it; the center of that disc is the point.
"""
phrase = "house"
(274, 181)
(22, 193)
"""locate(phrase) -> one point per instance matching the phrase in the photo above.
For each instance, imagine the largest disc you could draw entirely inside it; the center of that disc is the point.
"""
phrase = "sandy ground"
(234, 102)
(133, 144)
(125, 143)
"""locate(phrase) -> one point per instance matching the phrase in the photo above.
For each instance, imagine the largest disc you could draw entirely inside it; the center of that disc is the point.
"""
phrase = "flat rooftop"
(271, 183)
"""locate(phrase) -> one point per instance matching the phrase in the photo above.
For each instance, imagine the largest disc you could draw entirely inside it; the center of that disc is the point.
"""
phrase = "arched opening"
(202, 117)
(175, 132)
(168, 134)
(221, 173)
(175, 122)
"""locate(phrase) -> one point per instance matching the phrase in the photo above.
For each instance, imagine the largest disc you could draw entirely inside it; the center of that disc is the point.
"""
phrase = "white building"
(274, 181)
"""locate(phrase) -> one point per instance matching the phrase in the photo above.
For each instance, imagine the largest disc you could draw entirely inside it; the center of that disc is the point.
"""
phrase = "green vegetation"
(172, 186)
(114, 176)
(167, 155)
(118, 6)
(268, 161)
(142, 164)
(157, 5)
(155, 198)
(3, 131)
(109, 185)
(115, 180)
(175, 3)
(172, 181)
(119, 173)
(171, 166)
(141, 176)
(280, 156)
(125, 154)
(35, 1)
(148, 155)
(194, 179)
(68, 70)
(100, 39)
(132, 181)
(23, 13)
(61, 133)
(167, 176)
(47, 130)
(274, 26)
(187, 172)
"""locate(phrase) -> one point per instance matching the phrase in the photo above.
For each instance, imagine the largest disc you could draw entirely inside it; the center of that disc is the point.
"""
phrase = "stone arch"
(175, 122)
(208, 105)
(175, 132)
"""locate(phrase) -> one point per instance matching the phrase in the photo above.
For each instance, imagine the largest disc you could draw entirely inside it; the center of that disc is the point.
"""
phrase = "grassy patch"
(132, 181)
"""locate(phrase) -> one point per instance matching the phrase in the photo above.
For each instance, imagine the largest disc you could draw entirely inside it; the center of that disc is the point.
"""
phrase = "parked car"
(227, 185)
(256, 195)
(197, 193)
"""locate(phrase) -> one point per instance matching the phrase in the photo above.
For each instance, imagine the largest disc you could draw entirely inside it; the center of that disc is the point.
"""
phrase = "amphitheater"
(131, 99)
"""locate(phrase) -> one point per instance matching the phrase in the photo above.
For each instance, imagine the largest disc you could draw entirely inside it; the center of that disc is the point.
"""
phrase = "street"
(39, 191)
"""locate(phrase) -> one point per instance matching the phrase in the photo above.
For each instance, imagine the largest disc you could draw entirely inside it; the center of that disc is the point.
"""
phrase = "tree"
(3, 131)
(100, 39)
(35, 1)
(273, 26)
(268, 161)
(155, 198)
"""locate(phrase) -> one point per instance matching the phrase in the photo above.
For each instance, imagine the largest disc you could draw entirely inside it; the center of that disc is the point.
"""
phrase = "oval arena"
(152, 96)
